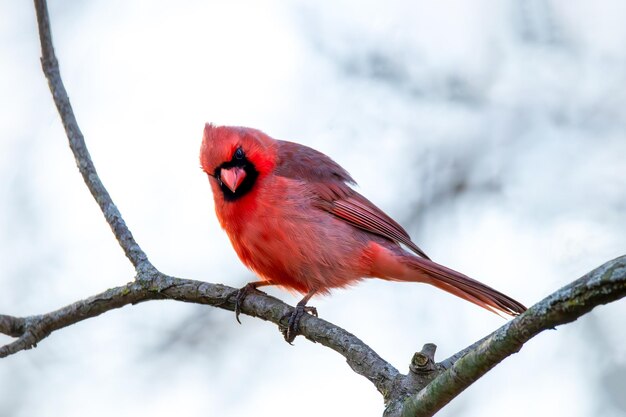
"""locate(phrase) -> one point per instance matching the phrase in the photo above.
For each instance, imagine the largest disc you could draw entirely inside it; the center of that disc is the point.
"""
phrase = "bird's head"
(236, 158)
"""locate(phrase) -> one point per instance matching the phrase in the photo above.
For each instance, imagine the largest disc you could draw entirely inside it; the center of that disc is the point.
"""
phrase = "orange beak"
(232, 177)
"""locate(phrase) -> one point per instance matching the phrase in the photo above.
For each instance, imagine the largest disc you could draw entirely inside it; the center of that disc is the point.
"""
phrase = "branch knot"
(424, 361)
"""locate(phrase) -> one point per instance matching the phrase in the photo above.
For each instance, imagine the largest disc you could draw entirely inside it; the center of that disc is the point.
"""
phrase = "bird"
(294, 218)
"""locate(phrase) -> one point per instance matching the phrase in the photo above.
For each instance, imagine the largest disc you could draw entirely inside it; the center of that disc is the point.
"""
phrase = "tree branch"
(361, 358)
(11, 326)
(601, 286)
(86, 167)
(427, 388)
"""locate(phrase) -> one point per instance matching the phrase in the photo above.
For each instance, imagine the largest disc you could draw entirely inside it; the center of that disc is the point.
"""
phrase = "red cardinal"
(293, 218)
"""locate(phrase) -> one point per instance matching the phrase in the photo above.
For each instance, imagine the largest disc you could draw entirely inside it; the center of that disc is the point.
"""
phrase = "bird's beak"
(232, 177)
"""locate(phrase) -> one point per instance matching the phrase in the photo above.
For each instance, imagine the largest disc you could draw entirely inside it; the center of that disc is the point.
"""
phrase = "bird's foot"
(293, 325)
(241, 295)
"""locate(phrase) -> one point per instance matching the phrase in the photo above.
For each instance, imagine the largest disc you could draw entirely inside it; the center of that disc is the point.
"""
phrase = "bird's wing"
(360, 212)
(330, 183)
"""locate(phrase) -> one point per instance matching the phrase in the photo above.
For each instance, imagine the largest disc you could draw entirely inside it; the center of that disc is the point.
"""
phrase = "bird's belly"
(303, 251)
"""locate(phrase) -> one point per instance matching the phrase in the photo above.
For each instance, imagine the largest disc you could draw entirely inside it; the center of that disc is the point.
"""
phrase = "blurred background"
(494, 131)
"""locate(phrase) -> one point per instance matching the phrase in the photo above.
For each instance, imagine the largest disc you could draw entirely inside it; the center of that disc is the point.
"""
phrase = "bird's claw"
(241, 295)
(293, 325)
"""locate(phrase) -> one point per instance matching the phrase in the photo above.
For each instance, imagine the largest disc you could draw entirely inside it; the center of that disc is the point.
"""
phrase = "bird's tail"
(413, 269)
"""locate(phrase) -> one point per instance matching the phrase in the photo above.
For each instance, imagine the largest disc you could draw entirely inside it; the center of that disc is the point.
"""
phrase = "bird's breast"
(283, 237)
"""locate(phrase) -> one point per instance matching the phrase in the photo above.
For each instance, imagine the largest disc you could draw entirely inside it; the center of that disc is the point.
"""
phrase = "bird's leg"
(293, 326)
(243, 293)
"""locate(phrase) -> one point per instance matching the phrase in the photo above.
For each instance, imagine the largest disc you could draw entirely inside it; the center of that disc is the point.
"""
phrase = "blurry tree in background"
(507, 124)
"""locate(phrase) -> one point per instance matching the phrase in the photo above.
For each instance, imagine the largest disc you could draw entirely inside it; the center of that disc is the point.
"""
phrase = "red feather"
(294, 219)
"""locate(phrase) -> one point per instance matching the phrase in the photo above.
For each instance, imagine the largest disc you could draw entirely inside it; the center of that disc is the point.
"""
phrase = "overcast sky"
(495, 132)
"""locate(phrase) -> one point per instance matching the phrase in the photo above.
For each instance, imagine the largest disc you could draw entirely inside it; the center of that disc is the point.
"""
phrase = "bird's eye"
(239, 153)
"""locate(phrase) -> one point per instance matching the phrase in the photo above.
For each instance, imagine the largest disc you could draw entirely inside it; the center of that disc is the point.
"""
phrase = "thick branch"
(600, 286)
(361, 358)
(87, 169)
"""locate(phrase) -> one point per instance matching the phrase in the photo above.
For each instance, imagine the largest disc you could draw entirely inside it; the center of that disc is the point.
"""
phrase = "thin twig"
(86, 167)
